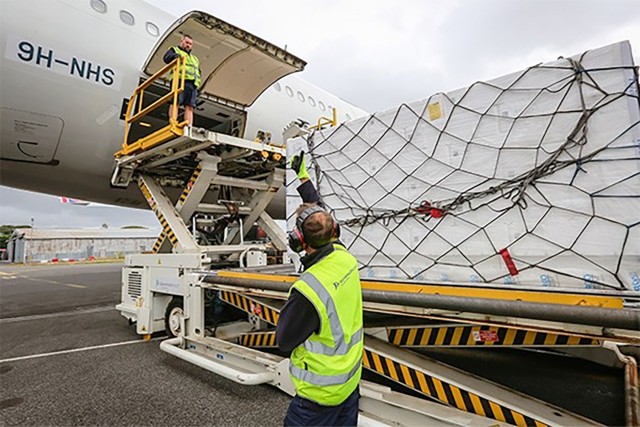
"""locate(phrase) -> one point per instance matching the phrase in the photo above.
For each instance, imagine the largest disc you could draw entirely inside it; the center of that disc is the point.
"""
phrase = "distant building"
(32, 245)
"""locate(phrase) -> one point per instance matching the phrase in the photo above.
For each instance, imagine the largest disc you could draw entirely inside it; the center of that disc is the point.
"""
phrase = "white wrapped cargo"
(531, 179)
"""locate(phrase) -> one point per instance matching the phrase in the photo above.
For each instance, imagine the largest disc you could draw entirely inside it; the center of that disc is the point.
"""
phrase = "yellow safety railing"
(322, 121)
(173, 129)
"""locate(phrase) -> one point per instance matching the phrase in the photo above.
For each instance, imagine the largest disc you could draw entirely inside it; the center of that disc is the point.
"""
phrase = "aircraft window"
(321, 105)
(311, 101)
(348, 117)
(277, 87)
(99, 6)
(329, 107)
(288, 90)
(126, 17)
(153, 29)
(300, 96)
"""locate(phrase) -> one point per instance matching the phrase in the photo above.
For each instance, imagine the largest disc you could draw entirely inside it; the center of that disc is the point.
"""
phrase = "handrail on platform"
(322, 121)
(177, 70)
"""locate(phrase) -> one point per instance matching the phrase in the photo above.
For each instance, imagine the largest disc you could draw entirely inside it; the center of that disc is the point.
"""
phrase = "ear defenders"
(296, 236)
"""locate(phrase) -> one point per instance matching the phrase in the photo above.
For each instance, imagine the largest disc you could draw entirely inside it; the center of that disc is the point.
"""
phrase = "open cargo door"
(235, 65)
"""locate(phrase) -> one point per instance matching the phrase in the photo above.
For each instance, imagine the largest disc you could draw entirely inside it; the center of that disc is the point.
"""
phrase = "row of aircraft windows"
(302, 98)
(126, 17)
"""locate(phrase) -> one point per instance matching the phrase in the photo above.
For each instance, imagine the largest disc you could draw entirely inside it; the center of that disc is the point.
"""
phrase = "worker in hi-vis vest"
(188, 96)
(321, 323)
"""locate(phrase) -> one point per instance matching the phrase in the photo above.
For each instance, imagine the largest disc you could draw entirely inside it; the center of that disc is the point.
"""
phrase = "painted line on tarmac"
(53, 282)
(5, 276)
(77, 350)
(61, 314)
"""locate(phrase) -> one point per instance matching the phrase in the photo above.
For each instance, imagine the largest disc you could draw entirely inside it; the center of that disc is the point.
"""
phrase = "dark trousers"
(303, 412)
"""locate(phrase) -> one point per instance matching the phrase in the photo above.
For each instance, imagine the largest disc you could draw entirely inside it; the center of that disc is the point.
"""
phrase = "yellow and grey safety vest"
(326, 368)
(192, 66)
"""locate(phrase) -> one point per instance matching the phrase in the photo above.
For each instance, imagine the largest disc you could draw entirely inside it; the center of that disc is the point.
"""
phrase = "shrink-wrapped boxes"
(530, 179)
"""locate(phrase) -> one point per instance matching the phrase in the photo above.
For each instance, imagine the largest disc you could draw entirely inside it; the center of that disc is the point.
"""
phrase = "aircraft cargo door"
(236, 66)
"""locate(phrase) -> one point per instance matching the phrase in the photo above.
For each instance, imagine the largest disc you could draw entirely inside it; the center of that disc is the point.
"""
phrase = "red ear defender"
(296, 240)
(300, 237)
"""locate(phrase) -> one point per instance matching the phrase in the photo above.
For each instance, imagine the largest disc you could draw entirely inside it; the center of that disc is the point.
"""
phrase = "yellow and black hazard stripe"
(443, 391)
(147, 194)
(250, 306)
(159, 241)
(190, 183)
(166, 230)
(481, 335)
(259, 339)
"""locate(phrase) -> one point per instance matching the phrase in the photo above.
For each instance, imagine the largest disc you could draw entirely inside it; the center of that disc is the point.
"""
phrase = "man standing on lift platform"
(188, 96)
(321, 323)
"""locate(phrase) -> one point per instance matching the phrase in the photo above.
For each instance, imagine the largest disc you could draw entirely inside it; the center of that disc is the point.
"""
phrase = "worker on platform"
(188, 96)
(321, 323)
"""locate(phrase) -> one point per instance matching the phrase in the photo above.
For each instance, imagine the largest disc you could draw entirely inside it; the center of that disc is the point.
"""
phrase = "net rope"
(424, 191)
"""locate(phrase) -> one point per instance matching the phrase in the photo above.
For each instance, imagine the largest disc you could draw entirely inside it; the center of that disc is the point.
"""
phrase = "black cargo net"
(530, 179)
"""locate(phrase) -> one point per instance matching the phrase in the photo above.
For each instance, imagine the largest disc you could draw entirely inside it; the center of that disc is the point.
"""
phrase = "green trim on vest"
(326, 368)
(192, 66)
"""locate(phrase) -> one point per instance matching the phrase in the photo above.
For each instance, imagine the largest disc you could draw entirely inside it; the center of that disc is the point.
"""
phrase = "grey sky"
(379, 54)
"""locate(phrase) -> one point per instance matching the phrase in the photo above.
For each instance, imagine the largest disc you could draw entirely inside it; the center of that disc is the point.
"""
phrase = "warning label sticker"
(485, 336)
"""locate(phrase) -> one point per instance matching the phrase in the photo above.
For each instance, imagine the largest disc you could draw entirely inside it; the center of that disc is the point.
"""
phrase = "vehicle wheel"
(173, 316)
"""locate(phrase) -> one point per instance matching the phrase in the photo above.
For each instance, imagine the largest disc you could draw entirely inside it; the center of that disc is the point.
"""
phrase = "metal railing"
(323, 121)
(177, 70)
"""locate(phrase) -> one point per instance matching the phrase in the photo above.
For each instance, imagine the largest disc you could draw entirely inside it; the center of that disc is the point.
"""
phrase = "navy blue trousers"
(303, 412)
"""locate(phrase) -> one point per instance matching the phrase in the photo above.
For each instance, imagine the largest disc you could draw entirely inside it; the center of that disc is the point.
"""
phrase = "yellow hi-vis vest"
(192, 66)
(326, 368)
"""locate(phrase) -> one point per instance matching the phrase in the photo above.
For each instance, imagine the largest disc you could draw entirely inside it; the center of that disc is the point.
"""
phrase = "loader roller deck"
(544, 316)
(593, 299)
(385, 356)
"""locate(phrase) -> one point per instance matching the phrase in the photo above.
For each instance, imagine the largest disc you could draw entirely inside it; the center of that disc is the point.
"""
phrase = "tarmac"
(67, 357)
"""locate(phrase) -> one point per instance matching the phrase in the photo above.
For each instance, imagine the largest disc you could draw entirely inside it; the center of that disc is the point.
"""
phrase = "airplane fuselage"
(66, 73)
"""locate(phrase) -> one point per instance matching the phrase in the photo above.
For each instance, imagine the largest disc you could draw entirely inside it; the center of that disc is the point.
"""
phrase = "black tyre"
(173, 316)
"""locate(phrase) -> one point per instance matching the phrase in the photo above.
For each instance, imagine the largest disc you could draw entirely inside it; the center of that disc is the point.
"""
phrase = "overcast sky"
(378, 54)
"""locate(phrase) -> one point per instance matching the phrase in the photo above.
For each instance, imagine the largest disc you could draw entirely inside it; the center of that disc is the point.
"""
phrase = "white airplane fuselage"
(65, 72)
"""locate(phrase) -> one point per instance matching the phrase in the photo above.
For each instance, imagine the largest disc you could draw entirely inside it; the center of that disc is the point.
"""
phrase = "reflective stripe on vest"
(323, 380)
(192, 66)
(342, 346)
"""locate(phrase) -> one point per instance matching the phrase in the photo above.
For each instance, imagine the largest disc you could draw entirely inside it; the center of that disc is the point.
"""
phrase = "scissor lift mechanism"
(154, 167)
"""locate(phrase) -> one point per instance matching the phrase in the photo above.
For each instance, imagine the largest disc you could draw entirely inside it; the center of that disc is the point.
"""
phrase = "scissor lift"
(186, 161)
(207, 190)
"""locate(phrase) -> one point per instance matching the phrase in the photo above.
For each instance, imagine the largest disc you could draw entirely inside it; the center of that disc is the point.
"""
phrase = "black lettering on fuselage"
(26, 51)
(107, 76)
(77, 67)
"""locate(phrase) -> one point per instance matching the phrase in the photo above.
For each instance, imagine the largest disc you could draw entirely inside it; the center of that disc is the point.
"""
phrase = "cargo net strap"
(530, 179)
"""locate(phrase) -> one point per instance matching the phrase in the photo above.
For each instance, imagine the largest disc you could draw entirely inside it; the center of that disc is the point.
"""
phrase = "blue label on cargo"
(588, 281)
(545, 279)
(635, 280)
